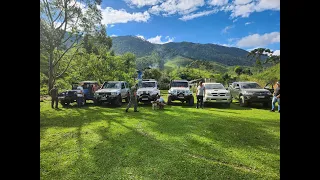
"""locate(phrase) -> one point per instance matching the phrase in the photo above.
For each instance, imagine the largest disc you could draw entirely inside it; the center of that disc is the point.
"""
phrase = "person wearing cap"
(276, 97)
(54, 96)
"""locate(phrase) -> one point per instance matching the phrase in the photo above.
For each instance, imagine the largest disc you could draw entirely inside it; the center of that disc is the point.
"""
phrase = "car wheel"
(169, 100)
(191, 101)
(242, 101)
(65, 103)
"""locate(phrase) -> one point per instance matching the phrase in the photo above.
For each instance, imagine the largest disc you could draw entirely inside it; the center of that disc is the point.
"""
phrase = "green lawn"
(179, 142)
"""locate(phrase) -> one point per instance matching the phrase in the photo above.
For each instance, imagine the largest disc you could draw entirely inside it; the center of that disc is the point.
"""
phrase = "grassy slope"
(177, 143)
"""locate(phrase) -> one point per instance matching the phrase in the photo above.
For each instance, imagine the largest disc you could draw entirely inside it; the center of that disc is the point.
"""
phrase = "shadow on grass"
(168, 144)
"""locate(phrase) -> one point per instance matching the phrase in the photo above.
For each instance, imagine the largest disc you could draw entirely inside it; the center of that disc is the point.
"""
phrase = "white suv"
(148, 90)
(112, 92)
(217, 93)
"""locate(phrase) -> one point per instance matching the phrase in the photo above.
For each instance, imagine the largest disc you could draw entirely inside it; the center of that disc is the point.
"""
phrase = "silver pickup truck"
(250, 92)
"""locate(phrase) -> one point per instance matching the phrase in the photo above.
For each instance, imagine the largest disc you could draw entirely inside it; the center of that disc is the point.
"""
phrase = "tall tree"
(238, 70)
(256, 54)
(62, 24)
(273, 59)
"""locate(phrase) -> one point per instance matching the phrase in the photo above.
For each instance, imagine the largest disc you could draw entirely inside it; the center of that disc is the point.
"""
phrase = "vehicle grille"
(218, 94)
(180, 91)
(103, 94)
(260, 93)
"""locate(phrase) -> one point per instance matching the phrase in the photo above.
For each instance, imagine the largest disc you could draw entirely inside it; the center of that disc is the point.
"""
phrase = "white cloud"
(170, 7)
(247, 23)
(256, 40)
(217, 2)
(267, 5)
(112, 25)
(276, 52)
(243, 8)
(157, 40)
(196, 15)
(225, 30)
(113, 35)
(112, 16)
(242, 1)
(140, 36)
(142, 3)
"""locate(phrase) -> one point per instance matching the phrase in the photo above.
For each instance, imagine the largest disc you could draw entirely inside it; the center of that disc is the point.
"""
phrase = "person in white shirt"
(201, 90)
(79, 96)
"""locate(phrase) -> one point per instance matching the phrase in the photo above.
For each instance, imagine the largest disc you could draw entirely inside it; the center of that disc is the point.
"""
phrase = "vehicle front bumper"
(180, 96)
(217, 99)
(66, 98)
(105, 98)
(146, 97)
(258, 99)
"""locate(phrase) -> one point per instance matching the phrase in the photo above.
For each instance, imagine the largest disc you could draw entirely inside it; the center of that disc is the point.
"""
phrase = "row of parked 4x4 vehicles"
(114, 92)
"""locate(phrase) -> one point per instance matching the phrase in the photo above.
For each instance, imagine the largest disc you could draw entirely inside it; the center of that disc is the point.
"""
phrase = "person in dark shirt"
(276, 97)
(54, 96)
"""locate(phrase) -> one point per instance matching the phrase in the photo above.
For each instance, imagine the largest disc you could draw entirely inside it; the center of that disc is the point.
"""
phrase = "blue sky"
(246, 24)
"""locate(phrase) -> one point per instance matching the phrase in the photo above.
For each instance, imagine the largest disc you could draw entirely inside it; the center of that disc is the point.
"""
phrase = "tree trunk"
(51, 73)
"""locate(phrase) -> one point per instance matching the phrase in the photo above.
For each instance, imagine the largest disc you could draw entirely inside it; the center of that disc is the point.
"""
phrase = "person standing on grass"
(201, 90)
(54, 96)
(276, 97)
(79, 95)
(133, 99)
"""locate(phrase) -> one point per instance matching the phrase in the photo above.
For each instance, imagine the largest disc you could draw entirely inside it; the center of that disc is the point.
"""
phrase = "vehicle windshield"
(214, 86)
(148, 84)
(250, 86)
(179, 84)
(111, 86)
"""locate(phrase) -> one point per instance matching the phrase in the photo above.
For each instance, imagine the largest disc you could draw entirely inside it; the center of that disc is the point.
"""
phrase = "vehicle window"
(250, 86)
(111, 85)
(148, 84)
(179, 84)
(214, 86)
(122, 86)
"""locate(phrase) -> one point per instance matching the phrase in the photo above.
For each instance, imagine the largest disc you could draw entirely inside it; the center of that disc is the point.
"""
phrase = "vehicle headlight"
(174, 91)
(228, 94)
(269, 93)
(247, 93)
(208, 94)
(96, 94)
(139, 92)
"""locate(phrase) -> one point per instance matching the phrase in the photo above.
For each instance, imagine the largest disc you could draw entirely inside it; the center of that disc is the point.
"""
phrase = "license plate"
(260, 96)
(144, 99)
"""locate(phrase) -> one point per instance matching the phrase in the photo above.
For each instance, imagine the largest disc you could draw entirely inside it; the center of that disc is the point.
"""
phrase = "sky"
(246, 24)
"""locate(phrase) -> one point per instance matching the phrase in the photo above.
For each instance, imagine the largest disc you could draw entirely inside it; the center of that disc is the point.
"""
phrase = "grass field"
(180, 142)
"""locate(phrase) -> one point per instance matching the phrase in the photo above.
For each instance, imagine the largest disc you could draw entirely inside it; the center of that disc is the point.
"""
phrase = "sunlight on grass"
(180, 142)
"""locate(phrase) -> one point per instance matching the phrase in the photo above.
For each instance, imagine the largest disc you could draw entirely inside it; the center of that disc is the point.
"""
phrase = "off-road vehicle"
(180, 90)
(250, 92)
(112, 92)
(148, 91)
(216, 93)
